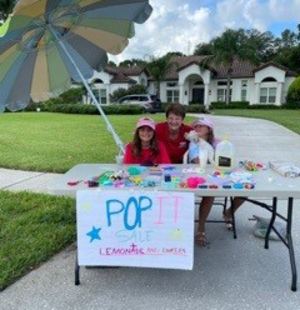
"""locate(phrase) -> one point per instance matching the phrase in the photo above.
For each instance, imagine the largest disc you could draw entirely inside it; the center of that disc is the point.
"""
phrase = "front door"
(198, 95)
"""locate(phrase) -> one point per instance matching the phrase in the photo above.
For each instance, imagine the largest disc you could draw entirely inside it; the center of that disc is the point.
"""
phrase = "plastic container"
(225, 155)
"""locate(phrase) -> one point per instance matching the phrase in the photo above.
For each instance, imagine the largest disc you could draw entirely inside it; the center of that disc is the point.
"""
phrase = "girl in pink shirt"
(145, 149)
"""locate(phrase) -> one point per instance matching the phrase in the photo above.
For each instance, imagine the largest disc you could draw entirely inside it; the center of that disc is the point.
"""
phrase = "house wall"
(189, 75)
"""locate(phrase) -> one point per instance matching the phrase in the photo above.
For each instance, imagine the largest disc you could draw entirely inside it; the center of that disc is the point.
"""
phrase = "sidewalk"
(229, 274)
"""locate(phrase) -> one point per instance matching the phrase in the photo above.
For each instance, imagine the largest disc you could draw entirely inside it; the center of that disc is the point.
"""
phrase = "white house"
(188, 84)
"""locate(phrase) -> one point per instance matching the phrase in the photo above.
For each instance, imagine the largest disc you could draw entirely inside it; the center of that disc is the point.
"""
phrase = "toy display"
(171, 177)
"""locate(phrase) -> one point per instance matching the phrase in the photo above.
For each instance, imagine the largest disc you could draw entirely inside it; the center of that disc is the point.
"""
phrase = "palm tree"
(159, 67)
(230, 46)
(6, 7)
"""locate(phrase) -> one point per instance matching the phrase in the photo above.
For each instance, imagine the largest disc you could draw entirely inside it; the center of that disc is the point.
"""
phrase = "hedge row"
(76, 108)
(246, 105)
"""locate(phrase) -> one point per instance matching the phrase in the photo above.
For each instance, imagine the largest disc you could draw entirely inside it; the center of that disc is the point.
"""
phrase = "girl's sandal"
(228, 222)
(200, 239)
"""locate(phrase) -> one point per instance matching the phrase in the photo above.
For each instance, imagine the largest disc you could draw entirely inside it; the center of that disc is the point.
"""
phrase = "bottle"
(224, 155)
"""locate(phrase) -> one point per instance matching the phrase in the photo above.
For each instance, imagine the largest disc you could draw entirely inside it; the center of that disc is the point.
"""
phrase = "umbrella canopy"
(45, 38)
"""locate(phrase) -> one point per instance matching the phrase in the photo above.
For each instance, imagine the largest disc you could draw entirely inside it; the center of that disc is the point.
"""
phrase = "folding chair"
(219, 201)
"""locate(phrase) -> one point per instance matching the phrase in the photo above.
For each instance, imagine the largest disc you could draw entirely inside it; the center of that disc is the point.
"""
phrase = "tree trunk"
(228, 86)
(158, 89)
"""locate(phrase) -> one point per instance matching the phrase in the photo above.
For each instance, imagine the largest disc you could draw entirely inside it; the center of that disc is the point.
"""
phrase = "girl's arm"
(194, 152)
(164, 157)
(128, 158)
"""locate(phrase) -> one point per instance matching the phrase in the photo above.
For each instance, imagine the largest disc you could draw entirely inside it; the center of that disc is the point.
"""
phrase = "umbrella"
(49, 43)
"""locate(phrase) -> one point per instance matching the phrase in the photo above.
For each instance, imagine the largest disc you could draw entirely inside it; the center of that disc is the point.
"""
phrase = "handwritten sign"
(135, 228)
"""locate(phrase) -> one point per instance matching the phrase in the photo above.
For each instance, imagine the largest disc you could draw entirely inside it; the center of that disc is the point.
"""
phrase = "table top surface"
(267, 182)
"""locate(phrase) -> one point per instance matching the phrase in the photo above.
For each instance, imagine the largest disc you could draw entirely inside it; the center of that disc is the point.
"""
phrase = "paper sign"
(135, 228)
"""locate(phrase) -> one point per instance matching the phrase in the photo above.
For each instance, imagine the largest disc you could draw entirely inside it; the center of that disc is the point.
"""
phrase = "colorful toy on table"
(194, 182)
(241, 179)
(219, 178)
(252, 165)
(73, 182)
(135, 170)
(136, 180)
(197, 170)
(103, 178)
(120, 175)
(167, 167)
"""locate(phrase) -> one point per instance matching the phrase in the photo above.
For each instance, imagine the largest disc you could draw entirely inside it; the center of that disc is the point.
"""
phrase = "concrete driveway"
(229, 274)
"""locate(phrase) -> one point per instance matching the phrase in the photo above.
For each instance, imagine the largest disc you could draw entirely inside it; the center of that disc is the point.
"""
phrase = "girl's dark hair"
(137, 145)
(177, 109)
(210, 136)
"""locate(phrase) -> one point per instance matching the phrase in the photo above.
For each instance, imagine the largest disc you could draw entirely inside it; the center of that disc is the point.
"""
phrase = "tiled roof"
(241, 69)
(134, 70)
(274, 64)
(122, 78)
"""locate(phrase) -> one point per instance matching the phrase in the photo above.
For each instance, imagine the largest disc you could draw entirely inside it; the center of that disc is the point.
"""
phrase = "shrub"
(294, 91)
(117, 94)
(264, 106)
(73, 95)
(90, 109)
(231, 105)
(191, 108)
(132, 90)
(291, 105)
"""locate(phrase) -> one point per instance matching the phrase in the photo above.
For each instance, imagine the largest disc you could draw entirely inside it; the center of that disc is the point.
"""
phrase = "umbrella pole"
(108, 124)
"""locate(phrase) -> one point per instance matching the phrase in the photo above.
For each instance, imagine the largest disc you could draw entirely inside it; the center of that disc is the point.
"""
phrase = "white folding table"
(269, 184)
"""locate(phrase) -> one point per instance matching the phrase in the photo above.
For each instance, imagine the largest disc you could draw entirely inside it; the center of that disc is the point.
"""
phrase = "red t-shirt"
(161, 158)
(175, 148)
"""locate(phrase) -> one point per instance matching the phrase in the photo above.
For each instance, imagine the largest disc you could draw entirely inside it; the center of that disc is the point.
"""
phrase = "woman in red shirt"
(145, 149)
(171, 133)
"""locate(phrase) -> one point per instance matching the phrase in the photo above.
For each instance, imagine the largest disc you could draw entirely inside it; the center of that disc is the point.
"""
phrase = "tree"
(288, 38)
(231, 45)
(111, 64)
(294, 91)
(204, 49)
(159, 67)
(264, 44)
(132, 62)
(6, 7)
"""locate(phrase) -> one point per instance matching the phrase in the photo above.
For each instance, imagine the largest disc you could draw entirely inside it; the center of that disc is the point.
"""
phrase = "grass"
(54, 142)
(287, 118)
(33, 227)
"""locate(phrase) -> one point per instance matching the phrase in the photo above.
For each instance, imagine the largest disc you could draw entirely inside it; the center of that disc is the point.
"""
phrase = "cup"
(203, 157)
(119, 159)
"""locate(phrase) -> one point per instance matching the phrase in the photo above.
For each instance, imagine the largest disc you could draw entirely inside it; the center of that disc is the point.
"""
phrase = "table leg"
(290, 244)
(77, 270)
(274, 212)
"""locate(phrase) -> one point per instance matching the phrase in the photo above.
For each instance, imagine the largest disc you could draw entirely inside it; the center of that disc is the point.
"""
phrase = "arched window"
(269, 79)
(198, 83)
(97, 81)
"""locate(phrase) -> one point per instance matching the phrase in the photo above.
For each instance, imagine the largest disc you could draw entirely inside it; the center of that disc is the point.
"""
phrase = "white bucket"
(225, 155)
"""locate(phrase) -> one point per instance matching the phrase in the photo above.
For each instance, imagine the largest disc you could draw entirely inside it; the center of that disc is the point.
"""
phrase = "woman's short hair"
(177, 109)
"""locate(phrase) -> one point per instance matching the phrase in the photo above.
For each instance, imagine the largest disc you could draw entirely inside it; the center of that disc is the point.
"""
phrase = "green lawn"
(287, 118)
(33, 227)
(54, 142)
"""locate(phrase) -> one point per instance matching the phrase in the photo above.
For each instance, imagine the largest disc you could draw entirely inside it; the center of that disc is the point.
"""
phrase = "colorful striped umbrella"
(49, 43)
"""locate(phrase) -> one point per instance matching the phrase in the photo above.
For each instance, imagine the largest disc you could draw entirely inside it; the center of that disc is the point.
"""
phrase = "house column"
(206, 96)
(107, 87)
(279, 94)
(181, 93)
(256, 93)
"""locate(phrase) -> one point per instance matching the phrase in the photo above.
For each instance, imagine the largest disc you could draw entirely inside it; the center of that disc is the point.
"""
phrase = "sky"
(179, 25)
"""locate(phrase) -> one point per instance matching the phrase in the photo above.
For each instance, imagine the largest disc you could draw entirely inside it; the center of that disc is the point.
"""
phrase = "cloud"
(179, 25)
